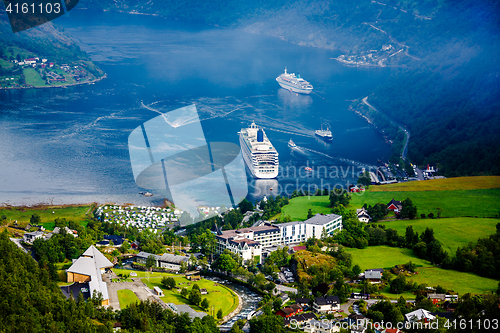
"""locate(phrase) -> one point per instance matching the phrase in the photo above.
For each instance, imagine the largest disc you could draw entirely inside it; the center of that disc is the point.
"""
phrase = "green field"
(298, 207)
(475, 203)
(126, 297)
(451, 232)
(220, 297)
(47, 214)
(448, 184)
(387, 257)
(33, 78)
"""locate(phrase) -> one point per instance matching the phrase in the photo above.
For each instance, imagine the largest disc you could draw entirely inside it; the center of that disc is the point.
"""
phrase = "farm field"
(219, 296)
(448, 184)
(47, 214)
(32, 77)
(387, 257)
(475, 203)
(126, 297)
(451, 232)
(298, 207)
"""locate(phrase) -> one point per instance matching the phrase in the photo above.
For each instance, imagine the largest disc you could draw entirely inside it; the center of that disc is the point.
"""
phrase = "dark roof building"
(301, 318)
(394, 205)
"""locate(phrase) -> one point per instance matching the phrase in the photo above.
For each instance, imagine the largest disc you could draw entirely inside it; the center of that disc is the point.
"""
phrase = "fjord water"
(70, 145)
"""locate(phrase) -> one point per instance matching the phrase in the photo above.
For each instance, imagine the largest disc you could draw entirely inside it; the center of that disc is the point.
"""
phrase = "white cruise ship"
(259, 153)
(324, 134)
(294, 83)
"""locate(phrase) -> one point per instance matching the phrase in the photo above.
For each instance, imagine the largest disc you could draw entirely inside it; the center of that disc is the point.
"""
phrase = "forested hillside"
(46, 41)
(32, 302)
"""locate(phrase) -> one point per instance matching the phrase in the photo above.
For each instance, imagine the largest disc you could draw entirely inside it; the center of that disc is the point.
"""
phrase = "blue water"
(70, 145)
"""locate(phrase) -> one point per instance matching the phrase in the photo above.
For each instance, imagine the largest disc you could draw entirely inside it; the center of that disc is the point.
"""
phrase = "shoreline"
(64, 86)
(45, 205)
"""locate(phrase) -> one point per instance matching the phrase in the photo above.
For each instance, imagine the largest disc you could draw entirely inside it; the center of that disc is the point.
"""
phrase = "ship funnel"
(260, 135)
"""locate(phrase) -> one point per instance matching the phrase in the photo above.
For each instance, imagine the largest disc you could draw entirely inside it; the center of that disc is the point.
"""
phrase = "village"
(39, 72)
(319, 310)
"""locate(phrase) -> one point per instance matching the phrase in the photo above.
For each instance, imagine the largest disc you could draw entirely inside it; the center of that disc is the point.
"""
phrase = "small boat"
(308, 169)
(292, 144)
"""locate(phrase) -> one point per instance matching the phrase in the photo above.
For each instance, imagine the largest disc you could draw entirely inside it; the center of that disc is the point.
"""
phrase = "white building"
(244, 241)
(249, 242)
(420, 315)
(326, 304)
(90, 267)
(29, 237)
(363, 215)
(316, 226)
(171, 262)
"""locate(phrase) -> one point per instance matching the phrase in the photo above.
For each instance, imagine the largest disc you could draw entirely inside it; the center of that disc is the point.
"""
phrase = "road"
(405, 149)
(18, 241)
(419, 174)
(285, 288)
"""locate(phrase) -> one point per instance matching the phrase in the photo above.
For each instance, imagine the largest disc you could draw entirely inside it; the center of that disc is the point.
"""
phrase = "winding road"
(405, 149)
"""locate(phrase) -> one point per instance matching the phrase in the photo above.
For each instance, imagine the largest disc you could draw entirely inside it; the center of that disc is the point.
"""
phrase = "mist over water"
(70, 145)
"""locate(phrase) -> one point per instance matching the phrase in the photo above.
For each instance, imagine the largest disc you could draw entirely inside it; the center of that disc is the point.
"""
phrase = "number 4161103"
(31, 8)
(463, 324)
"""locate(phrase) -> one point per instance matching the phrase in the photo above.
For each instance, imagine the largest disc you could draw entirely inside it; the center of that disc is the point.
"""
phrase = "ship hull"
(294, 89)
(326, 138)
(247, 157)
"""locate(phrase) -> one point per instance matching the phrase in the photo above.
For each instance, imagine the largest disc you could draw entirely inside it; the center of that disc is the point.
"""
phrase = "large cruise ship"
(259, 153)
(324, 134)
(294, 83)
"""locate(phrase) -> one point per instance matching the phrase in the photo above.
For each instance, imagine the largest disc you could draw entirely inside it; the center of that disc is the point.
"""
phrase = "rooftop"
(256, 230)
(90, 264)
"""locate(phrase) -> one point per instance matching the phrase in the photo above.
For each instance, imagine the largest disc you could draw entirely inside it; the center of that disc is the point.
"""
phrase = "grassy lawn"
(126, 297)
(476, 203)
(448, 184)
(298, 207)
(451, 232)
(220, 297)
(47, 214)
(33, 77)
(387, 257)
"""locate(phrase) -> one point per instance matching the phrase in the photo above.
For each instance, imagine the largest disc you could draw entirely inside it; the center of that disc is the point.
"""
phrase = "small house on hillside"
(30, 237)
(436, 298)
(374, 275)
(395, 206)
(326, 304)
(363, 215)
(303, 301)
(420, 315)
(299, 319)
(289, 311)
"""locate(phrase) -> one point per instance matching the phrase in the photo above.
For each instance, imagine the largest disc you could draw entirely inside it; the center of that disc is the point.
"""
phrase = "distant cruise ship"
(324, 134)
(259, 153)
(294, 83)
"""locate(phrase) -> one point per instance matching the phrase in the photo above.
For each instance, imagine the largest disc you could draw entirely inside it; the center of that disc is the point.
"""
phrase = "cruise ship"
(324, 134)
(294, 83)
(259, 153)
